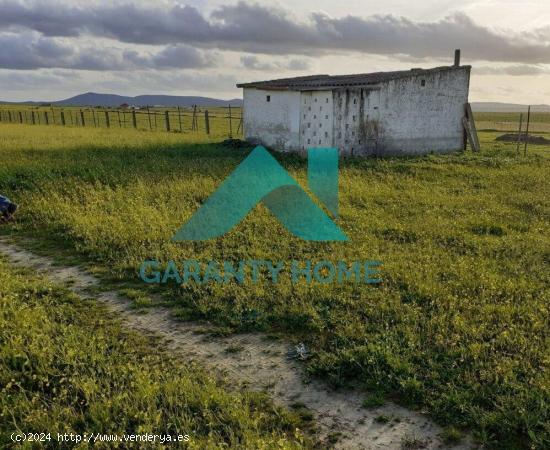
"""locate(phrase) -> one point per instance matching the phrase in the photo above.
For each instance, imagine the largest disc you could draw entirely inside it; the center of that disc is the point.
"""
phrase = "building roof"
(316, 82)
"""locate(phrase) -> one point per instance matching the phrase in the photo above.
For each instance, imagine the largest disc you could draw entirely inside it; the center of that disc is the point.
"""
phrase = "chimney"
(457, 57)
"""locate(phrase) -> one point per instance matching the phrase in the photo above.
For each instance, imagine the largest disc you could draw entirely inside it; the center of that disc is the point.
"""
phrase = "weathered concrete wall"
(414, 115)
(356, 114)
(274, 123)
(423, 119)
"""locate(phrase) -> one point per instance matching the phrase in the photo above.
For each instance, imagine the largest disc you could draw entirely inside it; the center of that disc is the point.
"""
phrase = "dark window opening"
(423, 83)
(268, 98)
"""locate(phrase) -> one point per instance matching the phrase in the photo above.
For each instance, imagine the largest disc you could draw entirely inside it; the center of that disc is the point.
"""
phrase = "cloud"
(30, 50)
(55, 84)
(258, 29)
(515, 70)
(252, 62)
(17, 80)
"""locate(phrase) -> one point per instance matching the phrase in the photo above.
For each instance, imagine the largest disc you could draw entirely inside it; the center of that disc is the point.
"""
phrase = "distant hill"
(506, 107)
(95, 99)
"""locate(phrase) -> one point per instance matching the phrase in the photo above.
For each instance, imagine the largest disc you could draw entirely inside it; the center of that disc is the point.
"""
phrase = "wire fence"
(539, 122)
(215, 122)
(219, 121)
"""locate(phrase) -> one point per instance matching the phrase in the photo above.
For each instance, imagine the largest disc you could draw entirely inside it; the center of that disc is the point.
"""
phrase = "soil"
(535, 140)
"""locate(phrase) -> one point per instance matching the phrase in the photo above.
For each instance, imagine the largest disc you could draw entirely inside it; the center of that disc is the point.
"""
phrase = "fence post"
(230, 123)
(46, 120)
(179, 118)
(206, 122)
(107, 122)
(20, 117)
(527, 130)
(519, 132)
(167, 118)
(63, 118)
(33, 118)
(134, 119)
(82, 118)
(149, 118)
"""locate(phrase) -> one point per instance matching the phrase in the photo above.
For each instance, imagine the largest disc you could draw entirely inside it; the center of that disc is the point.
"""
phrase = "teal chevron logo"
(260, 178)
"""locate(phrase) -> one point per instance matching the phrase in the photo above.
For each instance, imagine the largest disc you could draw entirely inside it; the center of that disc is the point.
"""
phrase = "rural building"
(406, 112)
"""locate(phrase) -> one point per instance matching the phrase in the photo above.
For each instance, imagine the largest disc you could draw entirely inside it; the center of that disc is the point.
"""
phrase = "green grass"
(458, 326)
(536, 117)
(66, 367)
(503, 121)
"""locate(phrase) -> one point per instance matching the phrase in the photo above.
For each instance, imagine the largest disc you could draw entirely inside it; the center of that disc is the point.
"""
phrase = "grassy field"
(539, 122)
(65, 368)
(459, 325)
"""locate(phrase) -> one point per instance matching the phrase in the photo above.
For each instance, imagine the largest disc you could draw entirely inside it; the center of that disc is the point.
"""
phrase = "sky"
(54, 49)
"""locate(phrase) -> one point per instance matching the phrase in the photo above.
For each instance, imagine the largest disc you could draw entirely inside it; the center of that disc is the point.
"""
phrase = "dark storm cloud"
(30, 50)
(259, 29)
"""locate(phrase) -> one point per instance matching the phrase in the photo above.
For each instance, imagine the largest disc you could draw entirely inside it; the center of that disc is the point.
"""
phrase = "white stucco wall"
(422, 119)
(275, 123)
(412, 115)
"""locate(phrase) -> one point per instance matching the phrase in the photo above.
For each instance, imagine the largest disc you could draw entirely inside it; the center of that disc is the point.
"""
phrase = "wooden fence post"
(527, 130)
(20, 117)
(107, 121)
(519, 132)
(134, 119)
(46, 120)
(82, 118)
(33, 118)
(207, 122)
(179, 119)
(149, 118)
(167, 119)
(63, 118)
(194, 120)
(230, 123)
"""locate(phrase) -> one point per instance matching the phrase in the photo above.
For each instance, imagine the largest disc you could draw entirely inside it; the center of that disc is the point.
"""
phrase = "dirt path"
(259, 364)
